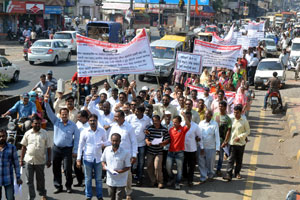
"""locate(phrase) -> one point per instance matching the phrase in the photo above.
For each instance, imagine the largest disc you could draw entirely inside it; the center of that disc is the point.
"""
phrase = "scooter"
(15, 131)
(273, 101)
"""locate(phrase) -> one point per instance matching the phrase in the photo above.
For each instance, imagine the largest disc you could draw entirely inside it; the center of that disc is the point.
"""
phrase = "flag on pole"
(196, 8)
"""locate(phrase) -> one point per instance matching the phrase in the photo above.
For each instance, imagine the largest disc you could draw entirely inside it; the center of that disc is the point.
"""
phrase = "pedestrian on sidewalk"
(9, 163)
(36, 144)
(116, 161)
(91, 142)
(240, 131)
(65, 139)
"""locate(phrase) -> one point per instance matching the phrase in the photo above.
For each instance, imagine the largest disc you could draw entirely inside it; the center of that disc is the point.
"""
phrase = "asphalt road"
(268, 170)
(30, 75)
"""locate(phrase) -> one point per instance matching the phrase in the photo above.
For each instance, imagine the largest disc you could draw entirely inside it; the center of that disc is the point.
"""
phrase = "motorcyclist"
(82, 80)
(52, 80)
(274, 87)
(25, 109)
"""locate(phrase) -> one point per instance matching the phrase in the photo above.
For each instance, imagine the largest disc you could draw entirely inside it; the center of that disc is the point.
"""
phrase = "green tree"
(3, 79)
(217, 5)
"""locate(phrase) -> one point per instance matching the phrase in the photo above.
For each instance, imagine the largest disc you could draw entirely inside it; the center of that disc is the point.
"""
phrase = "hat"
(206, 89)
(50, 72)
(145, 88)
(168, 113)
(25, 95)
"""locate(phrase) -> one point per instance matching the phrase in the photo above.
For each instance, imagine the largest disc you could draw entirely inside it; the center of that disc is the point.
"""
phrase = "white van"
(164, 56)
(68, 38)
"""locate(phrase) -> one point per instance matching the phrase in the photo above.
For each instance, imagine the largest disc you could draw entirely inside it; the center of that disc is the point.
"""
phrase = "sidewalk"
(13, 50)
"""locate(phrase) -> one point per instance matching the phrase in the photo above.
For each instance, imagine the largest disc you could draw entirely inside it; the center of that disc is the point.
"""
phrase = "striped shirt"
(157, 133)
(8, 163)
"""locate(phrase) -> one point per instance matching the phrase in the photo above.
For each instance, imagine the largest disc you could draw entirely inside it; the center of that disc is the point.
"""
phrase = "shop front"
(53, 17)
(34, 15)
(9, 18)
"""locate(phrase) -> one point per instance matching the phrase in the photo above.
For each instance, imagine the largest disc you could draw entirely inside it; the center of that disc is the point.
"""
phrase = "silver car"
(49, 51)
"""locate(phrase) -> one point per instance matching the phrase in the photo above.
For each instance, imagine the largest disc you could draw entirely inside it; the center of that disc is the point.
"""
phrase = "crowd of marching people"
(122, 134)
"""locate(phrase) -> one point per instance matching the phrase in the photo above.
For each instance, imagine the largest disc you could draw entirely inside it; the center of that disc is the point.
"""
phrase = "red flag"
(196, 8)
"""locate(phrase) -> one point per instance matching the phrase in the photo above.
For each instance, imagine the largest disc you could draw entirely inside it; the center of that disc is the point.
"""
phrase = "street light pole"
(131, 9)
(188, 16)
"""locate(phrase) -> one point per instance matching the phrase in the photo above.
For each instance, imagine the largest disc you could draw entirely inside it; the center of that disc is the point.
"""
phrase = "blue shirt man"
(24, 107)
(66, 138)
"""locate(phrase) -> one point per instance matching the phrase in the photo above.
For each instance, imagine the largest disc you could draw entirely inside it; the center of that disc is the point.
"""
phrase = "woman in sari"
(240, 98)
(204, 77)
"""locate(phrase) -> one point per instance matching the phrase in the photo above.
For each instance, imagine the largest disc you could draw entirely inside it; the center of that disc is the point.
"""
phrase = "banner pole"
(157, 79)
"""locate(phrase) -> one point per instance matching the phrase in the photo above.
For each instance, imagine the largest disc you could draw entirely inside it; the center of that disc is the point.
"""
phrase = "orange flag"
(196, 8)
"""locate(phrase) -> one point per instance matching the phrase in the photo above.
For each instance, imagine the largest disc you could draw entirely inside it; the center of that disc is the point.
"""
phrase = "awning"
(116, 6)
(208, 9)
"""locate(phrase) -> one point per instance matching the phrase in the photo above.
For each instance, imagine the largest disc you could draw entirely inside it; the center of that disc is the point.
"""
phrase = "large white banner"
(98, 58)
(189, 62)
(228, 40)
(215, 55)
(256, 26)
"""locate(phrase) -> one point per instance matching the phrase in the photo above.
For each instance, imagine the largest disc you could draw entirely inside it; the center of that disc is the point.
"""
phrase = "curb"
(290, 117)
(95, 81)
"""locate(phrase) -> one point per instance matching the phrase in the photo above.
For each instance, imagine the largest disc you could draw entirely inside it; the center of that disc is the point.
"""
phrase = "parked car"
(9, 70)
(49, 51)
(271, 49)
(265, 70)
(68, 38)
(295, 52)
(164, 56)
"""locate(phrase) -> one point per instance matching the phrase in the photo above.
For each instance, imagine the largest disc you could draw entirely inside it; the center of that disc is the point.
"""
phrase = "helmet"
(32, 96)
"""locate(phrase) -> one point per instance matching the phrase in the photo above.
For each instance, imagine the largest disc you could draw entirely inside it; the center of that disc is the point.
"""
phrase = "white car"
(9, 70)
(68, 38)
(49, 51)
(271, 48)
(295, 52)
(265, 70)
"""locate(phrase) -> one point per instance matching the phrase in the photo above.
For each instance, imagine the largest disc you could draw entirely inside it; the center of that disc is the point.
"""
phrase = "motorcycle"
(82, 94)
(21, 40)
(11, 35)
(15, 131)
(273, 101)
(26, 46)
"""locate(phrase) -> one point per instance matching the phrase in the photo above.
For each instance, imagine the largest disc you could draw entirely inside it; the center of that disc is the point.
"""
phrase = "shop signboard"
(200, 2)
(70, 3)
(15, 7)
(35, 8)
(56, 10)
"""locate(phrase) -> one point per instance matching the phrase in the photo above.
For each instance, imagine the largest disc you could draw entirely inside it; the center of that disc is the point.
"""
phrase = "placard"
(189, 62)
(98, 58)
(217, 55)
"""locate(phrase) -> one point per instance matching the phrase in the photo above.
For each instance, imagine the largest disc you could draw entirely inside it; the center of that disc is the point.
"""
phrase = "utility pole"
(188, 16)
(131, 10)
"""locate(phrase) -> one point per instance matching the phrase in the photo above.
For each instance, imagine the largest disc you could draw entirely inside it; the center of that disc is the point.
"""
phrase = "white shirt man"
(107, 92)
(190, 143)
(92, 143)
(128, 138)
(210, 134)
(139, 125)
(254, 62)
